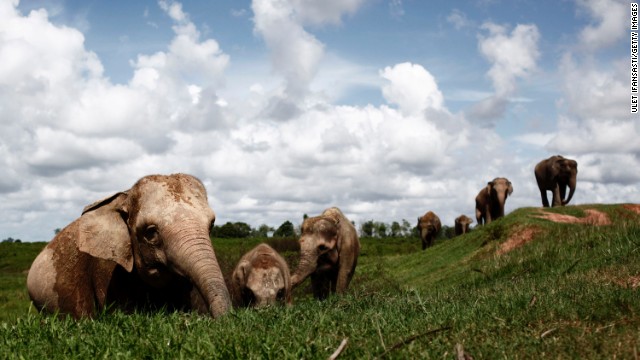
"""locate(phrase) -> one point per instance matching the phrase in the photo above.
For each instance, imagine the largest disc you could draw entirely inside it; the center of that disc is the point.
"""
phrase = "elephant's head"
(161, 227)
(319, 246)
(462, 224)
(564, 172)
(498, 190)
(261, 278)
(426, 228)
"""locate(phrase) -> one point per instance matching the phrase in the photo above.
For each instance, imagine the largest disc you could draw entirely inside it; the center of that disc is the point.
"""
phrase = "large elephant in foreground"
(555, 174)
(144, 248)
(462, 224)
(329, 249)
(261, 278)
(490, 200)
(428, 227)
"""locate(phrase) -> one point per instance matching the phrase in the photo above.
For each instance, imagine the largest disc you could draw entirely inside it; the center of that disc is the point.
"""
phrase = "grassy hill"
(526, 286)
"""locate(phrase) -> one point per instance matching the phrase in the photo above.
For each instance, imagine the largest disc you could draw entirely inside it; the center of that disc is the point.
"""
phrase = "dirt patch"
(517, 239)
(594, 217)
(630, 283)
(633, 207)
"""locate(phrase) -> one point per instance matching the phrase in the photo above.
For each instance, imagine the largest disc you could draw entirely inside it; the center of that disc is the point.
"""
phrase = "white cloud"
(412, 88)
(396, 9)
(512, 56)
(295, 53)
(593, 91)
(602, 136)
(610, 26)
(459, 19)
(326, 11)
(594, 122)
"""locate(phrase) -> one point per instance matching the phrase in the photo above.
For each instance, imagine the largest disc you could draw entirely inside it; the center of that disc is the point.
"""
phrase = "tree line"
(369, 228)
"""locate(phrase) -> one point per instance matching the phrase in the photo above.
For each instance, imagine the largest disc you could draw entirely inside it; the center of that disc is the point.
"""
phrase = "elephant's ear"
(488, 188)
(555, 168)
(240, 272)
(104, 233)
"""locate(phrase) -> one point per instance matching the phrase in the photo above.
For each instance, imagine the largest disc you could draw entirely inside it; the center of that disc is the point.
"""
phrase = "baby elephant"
(329, 249)
(428, 226)
(462, 223)
(261, 278)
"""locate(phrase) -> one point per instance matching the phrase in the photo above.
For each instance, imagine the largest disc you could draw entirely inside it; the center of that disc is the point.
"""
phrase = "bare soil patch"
(630, 283)
(517, 239)
(594, 217)
(633, 207)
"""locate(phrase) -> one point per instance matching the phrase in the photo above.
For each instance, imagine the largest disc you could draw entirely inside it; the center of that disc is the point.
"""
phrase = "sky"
(384, 108)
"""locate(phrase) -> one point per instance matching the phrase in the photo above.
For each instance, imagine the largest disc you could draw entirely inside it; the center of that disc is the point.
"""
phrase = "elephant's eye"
(151, 235)
(323, 248)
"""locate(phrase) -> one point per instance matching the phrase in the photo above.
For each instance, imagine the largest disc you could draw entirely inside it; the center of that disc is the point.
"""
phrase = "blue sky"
(385, 108)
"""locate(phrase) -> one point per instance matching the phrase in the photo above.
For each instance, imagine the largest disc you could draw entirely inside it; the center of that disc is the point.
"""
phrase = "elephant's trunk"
(572, 189)
(193, 256)
(307, 265)
(502, 199)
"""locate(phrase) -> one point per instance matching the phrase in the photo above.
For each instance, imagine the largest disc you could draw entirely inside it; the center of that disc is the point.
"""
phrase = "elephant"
(490, 200)
(462, 223)
(145, 248)
(555, 174)
(428, 227)
(261, 278)
(329, 249)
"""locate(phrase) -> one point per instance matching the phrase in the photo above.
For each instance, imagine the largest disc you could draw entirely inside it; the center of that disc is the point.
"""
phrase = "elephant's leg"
(545, 200)
(424, 244)
(487, 215)
(557, 199)
(320, 285)
(478, 216)
(563, 192)
(345, 273)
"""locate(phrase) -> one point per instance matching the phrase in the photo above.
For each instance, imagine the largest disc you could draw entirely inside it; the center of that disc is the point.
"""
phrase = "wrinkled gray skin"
(329, 249)
(261, 278)
(142, 249)
(556, 174)
(428, 227)
(462, 224)
(490, 200)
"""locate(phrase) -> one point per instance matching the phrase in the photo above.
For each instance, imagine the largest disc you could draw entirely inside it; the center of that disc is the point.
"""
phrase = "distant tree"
(232, 230)
(8, 240)
(285, 230)
(380, 229)
(407, 230)
(57, 231)
(396, 229)
(366, 228)
(242, 229)
(263, 231)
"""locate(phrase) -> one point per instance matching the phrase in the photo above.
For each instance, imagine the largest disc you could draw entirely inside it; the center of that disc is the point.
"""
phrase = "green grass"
(573, 291)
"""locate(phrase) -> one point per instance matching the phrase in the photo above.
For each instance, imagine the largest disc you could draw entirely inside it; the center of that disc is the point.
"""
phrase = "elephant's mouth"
(159, 276)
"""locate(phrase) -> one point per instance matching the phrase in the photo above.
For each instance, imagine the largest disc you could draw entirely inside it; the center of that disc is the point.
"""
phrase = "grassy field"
(520, 288)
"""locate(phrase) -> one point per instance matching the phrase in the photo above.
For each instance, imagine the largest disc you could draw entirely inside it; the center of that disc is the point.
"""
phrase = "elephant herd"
(149, 248)
(554, 174)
